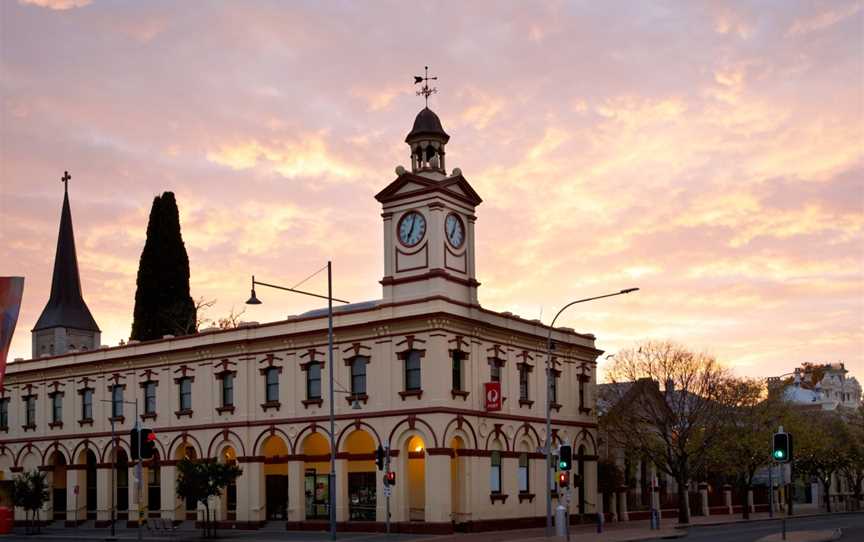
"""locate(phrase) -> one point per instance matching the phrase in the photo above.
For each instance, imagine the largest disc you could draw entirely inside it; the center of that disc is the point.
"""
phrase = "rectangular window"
(272, 391)
(524, 484)
(87, 404)
(116, 401)
(553, 391)
(57, 408)
(523, 383)
(313, 381)
(228, 390)
(4, 413)
(553, 478)
(358, 375)
(457, 370)
(495, 473)
(30, 411)
(412, 371)
(149, 398)
(185, 386)
(494, 371)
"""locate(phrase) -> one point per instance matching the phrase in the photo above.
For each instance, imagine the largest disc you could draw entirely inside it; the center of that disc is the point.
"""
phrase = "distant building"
(827, 386)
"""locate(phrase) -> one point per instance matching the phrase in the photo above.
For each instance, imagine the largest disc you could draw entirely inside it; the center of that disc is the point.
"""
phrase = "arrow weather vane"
(425, 90)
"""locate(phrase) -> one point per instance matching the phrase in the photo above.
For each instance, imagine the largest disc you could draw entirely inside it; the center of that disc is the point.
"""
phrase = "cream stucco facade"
(415, 362)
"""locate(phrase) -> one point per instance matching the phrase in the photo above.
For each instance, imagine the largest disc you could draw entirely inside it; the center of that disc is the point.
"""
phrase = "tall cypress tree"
(163, 305)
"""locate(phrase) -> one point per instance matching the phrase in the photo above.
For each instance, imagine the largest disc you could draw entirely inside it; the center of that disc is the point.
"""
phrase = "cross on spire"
(65, 180)
(425, 90)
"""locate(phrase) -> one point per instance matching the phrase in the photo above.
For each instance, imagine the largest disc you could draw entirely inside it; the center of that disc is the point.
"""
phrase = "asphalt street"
(852, 525)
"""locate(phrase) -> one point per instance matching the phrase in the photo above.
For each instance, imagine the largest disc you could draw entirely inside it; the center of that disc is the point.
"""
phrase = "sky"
(709, 153)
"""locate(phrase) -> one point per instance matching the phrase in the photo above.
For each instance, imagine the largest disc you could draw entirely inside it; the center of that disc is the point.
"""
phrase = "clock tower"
(429, 223)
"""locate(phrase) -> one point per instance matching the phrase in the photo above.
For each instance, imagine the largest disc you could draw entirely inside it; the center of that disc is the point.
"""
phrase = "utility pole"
(387, 489)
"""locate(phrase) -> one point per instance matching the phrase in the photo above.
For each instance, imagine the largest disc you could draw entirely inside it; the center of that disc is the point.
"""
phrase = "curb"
(760, 520)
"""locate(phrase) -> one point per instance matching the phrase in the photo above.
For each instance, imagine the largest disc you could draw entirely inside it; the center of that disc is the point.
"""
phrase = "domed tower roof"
(427, 125)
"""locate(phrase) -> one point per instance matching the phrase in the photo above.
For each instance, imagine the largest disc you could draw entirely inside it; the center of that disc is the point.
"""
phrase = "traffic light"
(148, 443)
(379, 458)
(782, 449)
(565, 458)
(133, 443)
(563, 479)
(390, 479)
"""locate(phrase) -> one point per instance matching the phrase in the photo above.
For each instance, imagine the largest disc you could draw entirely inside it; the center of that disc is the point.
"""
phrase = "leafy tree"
(853, 454)
(30, 492)
(163, 305)
(200, 480)
(751, 418)
(819, 436)
(673, 428)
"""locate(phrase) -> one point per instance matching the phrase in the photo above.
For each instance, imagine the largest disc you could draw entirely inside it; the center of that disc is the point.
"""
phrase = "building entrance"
(276, 492)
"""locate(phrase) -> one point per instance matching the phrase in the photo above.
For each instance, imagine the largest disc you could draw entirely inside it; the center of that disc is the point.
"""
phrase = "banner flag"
(11, 292)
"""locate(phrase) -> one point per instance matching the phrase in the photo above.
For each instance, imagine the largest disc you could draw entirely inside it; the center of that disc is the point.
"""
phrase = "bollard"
(600, 521)
(561, 521)
(655, 520)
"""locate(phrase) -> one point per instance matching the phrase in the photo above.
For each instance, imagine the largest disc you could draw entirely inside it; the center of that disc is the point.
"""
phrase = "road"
(852, 525)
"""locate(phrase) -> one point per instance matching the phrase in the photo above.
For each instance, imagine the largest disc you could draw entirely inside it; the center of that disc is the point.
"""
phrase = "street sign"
(387, 491)
(493, 396)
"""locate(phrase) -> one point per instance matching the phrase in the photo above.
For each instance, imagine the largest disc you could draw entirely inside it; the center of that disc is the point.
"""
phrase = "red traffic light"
(564, 479)
(151, 437)
(390, 478)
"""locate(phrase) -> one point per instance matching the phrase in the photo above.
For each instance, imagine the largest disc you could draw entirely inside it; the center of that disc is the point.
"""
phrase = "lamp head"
(629, 290)
(253, 299)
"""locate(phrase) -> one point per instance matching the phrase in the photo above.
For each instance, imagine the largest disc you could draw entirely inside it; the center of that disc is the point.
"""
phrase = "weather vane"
(425, 90)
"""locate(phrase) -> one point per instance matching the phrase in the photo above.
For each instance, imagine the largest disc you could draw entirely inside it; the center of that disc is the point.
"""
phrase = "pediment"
(409, 184)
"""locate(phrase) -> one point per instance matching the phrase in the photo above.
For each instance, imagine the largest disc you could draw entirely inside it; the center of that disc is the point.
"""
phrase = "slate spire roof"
(66, 307)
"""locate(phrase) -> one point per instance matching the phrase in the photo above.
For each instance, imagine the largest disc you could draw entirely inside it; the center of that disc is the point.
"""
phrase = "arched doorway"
(458, 483)
(316, 476)
(415, 452)
(58, 485)
(360, 447)
(121, 483)
(229, 497)
(275, 466)
(154, 486)
(90, 484)
(190, 507)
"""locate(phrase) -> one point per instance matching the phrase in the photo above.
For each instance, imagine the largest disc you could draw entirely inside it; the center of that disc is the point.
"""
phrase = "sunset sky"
(710, 153)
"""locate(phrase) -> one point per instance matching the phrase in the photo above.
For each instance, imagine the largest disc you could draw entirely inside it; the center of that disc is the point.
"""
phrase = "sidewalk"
(804, 536)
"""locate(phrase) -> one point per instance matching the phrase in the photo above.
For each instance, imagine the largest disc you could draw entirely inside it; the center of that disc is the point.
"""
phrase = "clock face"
(454, 230)
(412, 228)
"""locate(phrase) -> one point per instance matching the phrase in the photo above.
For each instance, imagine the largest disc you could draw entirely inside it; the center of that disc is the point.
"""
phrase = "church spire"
(66, 309)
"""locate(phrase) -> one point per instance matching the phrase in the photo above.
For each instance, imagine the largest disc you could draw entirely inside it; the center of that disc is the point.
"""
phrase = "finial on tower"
(425, 90)
(65, 180)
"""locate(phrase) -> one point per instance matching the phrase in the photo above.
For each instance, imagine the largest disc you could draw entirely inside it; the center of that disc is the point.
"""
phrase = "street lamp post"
(253, 300)
(548, 446)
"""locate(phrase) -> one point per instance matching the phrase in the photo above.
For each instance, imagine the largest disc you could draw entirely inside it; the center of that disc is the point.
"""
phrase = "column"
(133, 497)
(74, 502)
(622, 504)
(439, 495)
(591, 493)
(341, 497)
(105, 495)
(703, 498)
(296, 493)
(613, 505)
(727, 498)
(250, 501)
(168, 490)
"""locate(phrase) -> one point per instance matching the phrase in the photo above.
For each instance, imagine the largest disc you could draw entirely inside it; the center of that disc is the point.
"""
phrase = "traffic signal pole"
(387, 490)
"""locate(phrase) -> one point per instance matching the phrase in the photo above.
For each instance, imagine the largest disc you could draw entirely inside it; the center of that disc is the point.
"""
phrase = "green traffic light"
(778, 454)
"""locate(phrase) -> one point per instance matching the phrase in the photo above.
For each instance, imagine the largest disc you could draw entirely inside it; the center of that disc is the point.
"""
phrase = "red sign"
(493, 396)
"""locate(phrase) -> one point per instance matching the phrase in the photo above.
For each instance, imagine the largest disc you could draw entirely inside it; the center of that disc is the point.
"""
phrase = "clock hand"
(413, 225)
